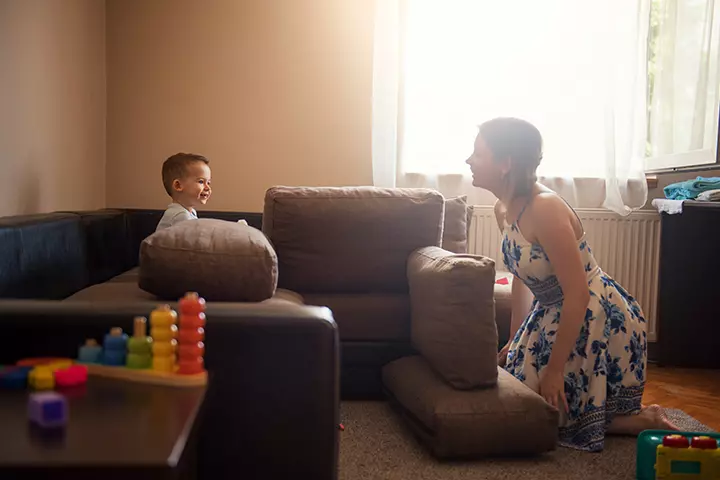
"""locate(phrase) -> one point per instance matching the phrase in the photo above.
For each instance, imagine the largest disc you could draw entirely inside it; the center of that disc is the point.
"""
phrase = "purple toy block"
(48, 409)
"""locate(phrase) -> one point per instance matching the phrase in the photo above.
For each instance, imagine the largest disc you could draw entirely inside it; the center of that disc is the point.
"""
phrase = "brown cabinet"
(689, 287)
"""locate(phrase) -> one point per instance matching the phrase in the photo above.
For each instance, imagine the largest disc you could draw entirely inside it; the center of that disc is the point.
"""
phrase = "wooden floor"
(696, 392)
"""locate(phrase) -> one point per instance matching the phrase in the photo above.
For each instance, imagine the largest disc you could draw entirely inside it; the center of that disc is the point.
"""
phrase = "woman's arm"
(554, 230)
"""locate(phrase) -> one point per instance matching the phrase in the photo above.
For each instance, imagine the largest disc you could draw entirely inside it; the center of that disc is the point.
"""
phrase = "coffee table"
(116, 429)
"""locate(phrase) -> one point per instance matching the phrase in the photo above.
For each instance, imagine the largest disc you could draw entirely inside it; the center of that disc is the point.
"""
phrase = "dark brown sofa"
(272, 408)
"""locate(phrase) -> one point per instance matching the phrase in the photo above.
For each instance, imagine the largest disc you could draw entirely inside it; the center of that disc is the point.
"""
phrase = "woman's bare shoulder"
(550, 209)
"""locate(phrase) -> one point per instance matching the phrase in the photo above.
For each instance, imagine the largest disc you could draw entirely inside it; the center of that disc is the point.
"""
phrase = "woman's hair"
(520, 141)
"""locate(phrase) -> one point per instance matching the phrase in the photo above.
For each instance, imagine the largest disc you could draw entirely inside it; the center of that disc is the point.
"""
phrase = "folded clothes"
(690, 189)
(709, 196)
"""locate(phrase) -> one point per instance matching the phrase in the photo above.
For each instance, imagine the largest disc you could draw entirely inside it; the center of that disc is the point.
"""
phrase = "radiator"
(627, 248)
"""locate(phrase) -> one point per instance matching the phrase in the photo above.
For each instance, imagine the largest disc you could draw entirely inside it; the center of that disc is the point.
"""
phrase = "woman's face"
(486, 171)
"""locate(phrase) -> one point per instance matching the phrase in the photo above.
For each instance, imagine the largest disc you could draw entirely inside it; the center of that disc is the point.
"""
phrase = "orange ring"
(34, 362)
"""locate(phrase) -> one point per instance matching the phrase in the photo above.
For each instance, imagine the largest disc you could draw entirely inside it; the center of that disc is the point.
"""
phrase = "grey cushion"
(453, 315)
(507, 419)
(221, 260)
(349, 240)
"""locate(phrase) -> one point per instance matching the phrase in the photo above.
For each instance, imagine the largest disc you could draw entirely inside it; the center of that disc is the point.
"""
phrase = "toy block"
(48, 409)
(114, 347)
(192, 304)
(72, 376)
(15, 378)
(191, 336)
(91, 352)
(139, 346)
(163, 317)
(41, 378)
(163, 332)
(191, 349)
(37, 361)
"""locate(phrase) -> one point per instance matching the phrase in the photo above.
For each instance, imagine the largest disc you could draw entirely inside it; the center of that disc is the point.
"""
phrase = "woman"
(579, 338)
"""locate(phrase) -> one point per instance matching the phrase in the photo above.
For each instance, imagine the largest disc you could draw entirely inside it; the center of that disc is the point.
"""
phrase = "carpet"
(377, 445)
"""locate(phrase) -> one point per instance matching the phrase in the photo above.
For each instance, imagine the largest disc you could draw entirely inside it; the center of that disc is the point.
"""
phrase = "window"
(570, 67)
(617, 88)
(683, 83)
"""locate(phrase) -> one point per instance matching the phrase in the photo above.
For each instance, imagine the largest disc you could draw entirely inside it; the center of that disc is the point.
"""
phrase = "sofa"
(344, 249)
(271, 410)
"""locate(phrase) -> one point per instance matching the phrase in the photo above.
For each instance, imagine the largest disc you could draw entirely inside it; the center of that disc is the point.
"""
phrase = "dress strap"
(522, 210)
(582, 227)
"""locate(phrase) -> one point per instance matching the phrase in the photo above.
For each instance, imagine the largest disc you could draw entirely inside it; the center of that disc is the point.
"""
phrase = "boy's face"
(193, 189)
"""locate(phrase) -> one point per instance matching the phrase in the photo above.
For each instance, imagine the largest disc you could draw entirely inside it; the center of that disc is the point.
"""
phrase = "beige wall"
(272, 91)
(52, 105)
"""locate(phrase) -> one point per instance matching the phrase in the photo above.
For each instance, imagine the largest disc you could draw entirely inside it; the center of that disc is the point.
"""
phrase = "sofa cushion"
(455, 225)
(349, 240)
(112, 291)
(453, 315)
(107, 242)
(221, 260)
(367, 317)
(124, 287)
(122, 290)
(506, 419)
(42, 256)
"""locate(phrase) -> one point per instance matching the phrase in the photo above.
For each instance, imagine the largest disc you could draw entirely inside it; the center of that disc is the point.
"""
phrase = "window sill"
(652, 181)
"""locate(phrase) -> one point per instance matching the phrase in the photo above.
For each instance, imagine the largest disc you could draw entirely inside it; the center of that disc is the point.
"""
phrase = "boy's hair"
(176, 167)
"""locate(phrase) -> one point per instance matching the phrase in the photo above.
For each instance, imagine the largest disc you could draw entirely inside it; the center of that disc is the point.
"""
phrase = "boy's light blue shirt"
(175, 214)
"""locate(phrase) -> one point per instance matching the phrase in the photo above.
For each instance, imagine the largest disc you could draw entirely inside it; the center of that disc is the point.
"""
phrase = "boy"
(186, 178)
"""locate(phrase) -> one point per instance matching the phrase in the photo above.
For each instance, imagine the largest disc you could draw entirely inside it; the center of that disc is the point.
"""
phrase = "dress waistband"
(549, 293)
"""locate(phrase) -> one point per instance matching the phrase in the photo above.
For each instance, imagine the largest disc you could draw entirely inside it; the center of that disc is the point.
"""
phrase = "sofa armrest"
(272, 407)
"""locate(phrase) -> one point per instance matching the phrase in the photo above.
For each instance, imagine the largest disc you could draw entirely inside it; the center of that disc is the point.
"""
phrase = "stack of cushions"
(222, 261)
(453, 394)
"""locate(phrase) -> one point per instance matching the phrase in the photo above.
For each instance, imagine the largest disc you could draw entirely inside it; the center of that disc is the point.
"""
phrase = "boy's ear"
(176, 185)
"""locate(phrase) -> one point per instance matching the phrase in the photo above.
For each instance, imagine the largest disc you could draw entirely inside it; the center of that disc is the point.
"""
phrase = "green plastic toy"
(647, 444)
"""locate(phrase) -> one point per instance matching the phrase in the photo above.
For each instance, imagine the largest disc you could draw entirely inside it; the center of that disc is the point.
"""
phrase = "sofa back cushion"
(349, 240)
(455, 225)
(222, 261)
(106, 243)
(42, 256)
(453, 315)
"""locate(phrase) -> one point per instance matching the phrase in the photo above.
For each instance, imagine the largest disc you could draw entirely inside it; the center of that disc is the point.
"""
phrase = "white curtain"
(574, 68)
(684, 63)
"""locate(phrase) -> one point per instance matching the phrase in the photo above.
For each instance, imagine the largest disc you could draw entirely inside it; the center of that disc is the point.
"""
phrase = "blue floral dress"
(605, 373)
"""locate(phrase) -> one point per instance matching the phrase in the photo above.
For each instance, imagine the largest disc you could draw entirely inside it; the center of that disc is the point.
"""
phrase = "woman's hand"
(502, 355)
(552, 387)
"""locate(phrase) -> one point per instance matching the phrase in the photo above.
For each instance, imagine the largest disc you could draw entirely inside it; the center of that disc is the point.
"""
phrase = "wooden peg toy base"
(153, 377)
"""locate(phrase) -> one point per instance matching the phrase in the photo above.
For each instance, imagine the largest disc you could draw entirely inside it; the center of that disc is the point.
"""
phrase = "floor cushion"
(507, 419)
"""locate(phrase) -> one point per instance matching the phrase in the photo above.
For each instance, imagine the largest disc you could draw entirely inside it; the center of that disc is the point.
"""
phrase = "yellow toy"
(163, 332)
(679, 458)
(41, 378)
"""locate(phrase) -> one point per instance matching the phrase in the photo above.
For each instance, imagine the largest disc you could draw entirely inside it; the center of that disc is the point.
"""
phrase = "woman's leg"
(651, 417)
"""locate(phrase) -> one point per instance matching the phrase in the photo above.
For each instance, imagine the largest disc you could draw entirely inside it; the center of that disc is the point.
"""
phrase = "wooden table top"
(112, 424)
